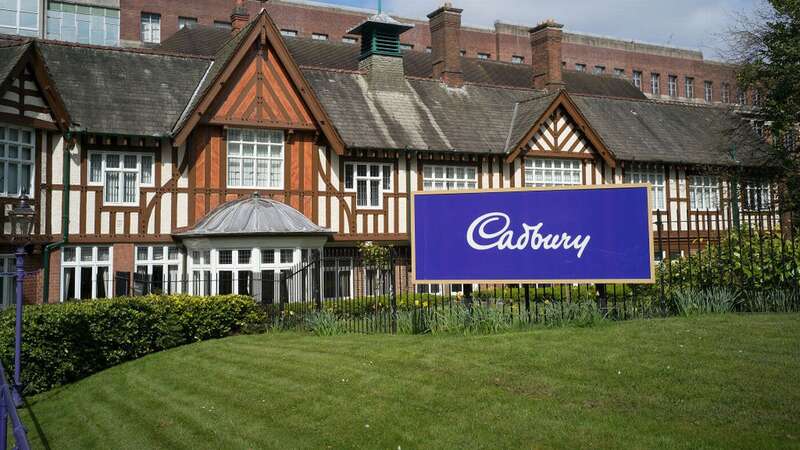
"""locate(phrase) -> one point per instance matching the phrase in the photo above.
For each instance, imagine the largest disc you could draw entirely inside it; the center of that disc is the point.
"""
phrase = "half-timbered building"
(223, 154)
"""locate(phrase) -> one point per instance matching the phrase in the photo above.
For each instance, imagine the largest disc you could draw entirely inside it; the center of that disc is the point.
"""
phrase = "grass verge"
(717, 381)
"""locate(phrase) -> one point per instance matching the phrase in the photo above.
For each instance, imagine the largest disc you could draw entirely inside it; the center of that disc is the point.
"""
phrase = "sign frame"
(651, 243)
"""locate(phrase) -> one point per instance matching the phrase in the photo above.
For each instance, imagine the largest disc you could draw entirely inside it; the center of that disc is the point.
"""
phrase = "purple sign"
(587, 234)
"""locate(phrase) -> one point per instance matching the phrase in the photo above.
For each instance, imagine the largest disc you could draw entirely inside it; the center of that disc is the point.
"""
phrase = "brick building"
(686, 70)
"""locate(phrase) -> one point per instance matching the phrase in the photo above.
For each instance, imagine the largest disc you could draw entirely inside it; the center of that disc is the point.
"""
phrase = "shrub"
(68, 341)
(689, 302)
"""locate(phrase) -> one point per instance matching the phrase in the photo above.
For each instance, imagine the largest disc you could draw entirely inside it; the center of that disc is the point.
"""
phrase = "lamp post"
(21, 219)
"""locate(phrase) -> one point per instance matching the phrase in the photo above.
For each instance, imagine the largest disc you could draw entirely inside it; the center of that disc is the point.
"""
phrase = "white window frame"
(437, 177)
(17, 28)
(338, 266)
(384, 179)
(726, 93)
(186, 21)
(288, 33)
(672, 85)
(579, 67)
(703, 193)
(6, 161)
(599, 70)
(259, 146)
(8, 279)
(689, 87)
(757, 196)
(121, 170)
(655, 83)
(94, 264)
(708, 91)
(150, 28)
(149, 262)
(536, 172)
(516, 59)
(619, 72)
(349, 40)
(484, 56)
(65, 19)
(637, 79)
(653, 174)
(319, 36)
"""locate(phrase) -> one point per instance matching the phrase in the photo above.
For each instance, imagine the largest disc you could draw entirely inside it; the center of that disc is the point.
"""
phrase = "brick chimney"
(546, 55)
(445, 26)
(239, 16)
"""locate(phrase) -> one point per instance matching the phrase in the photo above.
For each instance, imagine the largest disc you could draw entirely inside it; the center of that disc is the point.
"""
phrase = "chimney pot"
(239, 17)
(546, 55)
(445, 26)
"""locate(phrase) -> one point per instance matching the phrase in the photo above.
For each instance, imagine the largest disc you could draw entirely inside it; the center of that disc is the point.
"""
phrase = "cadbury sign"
(587, 234)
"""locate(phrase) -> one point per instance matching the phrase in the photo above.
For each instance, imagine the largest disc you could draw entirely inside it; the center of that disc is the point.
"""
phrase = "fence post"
(528, 301)
(602, 298)
(393, 292)
(315, 279)
(4, 419)
(660, 268)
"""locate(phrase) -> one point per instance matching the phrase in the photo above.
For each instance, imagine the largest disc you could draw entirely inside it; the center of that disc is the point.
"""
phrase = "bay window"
(16, 160)
(121, 175)
(369, 181)
(85, 272)
(438, 178)
(160, 266)
(703, 193)
(255, 159)
(653, 174)
(541, 172)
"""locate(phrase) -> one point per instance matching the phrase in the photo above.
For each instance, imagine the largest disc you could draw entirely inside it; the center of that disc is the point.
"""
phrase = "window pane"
(287, 256)
(374, 193)
(226, 257)
(248, 172)
(129, 188)
(387, 178)
(267, 256)
(158, 253)
(147, 169)
(103, 253)
(141, 253)
(361, 193)
(95, 167)
(244, 256)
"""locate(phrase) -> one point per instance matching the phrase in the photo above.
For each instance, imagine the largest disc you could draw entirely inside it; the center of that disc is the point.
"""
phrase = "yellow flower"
(416, 302)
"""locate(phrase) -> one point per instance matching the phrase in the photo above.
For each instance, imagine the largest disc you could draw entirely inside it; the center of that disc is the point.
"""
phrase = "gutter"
(69, 144)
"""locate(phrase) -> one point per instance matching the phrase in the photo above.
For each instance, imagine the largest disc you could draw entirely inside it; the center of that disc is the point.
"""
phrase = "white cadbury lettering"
(531, 236)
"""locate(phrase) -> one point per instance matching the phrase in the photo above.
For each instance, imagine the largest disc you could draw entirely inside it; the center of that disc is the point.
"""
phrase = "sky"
(694, 24)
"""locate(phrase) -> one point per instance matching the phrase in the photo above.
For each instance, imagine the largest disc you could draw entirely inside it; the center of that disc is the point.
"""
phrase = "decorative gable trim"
(31, 92)
(561, 130)
(268, 34)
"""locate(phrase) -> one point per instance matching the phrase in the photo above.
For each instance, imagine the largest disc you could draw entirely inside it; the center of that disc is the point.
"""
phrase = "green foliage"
(747, 260)
(374, 255)
(324, 323)
(68, 341)
(691, 302)
(772, 301)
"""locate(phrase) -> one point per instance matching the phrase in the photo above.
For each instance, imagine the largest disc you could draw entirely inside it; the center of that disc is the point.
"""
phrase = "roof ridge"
(329, 69)
(141, 51)
(653, 101)
(540, 94)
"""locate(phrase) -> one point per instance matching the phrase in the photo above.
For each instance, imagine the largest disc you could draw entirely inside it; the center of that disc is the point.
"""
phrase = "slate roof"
(10, 56)
(525, 114)
(254, 216)
(341, 56)
(415, 114)
(197, 40)
(113, 91)
(673, 133)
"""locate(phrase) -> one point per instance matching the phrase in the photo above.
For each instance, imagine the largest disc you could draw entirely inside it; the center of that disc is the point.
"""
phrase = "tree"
(766, 47)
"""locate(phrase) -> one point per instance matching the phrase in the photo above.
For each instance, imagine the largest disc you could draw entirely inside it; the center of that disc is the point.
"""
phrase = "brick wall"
(502, 43)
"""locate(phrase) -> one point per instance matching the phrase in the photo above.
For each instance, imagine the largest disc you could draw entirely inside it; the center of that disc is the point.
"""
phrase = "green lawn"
(716, 381)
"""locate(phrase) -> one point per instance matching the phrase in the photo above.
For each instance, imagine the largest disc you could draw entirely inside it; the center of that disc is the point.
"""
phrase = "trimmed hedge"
(69, 341)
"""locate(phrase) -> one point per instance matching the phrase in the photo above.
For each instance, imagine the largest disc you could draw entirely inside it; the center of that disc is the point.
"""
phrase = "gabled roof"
(523, 129)
(15, 56)
(227, 59)
(197, 40)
